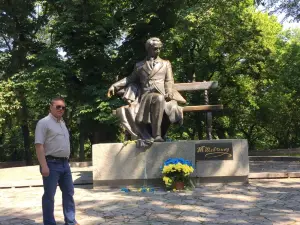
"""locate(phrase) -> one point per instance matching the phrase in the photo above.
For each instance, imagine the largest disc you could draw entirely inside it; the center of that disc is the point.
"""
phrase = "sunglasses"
(58, 107)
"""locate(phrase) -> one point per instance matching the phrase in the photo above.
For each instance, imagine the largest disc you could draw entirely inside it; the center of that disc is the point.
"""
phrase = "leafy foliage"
(76, 49)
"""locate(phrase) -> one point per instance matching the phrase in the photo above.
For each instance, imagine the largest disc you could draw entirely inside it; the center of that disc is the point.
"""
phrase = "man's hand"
(45, 171)
(169, 97)
(40, 153)
(111, 91)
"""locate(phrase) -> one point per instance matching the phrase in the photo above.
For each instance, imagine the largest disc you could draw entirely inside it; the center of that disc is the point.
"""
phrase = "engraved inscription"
(214, 151)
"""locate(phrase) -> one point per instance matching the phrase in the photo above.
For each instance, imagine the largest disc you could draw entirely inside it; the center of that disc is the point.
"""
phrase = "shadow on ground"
(260, 202)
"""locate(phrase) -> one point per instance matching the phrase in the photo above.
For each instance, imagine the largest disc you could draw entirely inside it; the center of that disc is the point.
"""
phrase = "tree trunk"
(25, 128)
(28, 155)
(81, 152)
(72, 148)
(2, 156)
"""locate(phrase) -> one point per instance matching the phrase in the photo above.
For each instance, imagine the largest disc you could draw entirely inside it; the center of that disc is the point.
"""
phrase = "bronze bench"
(198, 86)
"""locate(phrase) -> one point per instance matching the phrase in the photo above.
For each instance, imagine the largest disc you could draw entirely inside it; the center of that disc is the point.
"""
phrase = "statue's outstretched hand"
(111, 91)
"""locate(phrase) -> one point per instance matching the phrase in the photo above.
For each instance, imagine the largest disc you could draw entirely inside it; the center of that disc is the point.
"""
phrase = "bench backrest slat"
(195, 86)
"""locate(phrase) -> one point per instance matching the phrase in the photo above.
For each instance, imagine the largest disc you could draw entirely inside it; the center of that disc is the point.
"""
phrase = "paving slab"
(263, 201)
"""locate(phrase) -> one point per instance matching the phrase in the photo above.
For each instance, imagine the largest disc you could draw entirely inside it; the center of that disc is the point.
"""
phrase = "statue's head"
(153, 46)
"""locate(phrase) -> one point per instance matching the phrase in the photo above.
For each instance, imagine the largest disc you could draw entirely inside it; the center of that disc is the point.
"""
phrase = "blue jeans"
(60, 174)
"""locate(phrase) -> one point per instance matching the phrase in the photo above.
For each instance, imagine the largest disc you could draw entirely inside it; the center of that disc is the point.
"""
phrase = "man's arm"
(127, 80)
(122, 83)
(169, 82)
(40, 137)
(40, 152)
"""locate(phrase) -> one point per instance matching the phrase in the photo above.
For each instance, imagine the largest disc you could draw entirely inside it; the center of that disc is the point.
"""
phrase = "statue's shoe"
(159, 139)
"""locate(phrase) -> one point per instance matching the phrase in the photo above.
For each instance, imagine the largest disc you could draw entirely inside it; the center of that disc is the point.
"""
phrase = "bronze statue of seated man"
(153, 102)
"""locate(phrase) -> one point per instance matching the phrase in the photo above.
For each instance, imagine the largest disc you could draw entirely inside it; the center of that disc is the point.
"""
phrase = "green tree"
(21, 41)
(279, 113)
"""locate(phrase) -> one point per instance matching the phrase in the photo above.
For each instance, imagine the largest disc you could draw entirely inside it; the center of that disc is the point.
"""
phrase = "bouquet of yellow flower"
(176, 170)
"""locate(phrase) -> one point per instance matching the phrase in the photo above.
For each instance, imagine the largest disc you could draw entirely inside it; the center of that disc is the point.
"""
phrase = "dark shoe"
(159, 139)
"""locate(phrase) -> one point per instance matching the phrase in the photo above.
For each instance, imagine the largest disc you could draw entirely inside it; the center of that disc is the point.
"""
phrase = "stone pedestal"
(116, 165)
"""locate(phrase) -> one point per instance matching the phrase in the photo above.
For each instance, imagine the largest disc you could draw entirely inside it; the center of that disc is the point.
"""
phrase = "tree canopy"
(77, 48)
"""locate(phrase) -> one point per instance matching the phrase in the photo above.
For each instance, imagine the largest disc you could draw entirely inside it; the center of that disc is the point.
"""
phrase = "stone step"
(29, 176)
(274, 158)
(88, 179)
(274, 175)
(82, 173)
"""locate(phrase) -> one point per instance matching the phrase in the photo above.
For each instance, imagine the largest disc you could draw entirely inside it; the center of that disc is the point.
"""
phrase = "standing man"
(53, 150)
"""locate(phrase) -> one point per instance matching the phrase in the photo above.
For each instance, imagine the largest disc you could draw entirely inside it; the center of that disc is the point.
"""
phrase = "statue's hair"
(152, 41)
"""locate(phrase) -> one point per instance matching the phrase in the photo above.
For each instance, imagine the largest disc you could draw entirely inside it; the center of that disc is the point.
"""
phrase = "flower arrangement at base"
(176, 172)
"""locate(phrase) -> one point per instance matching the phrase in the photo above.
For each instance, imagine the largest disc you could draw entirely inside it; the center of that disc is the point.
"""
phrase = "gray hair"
(152, 41)
(57, 99)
